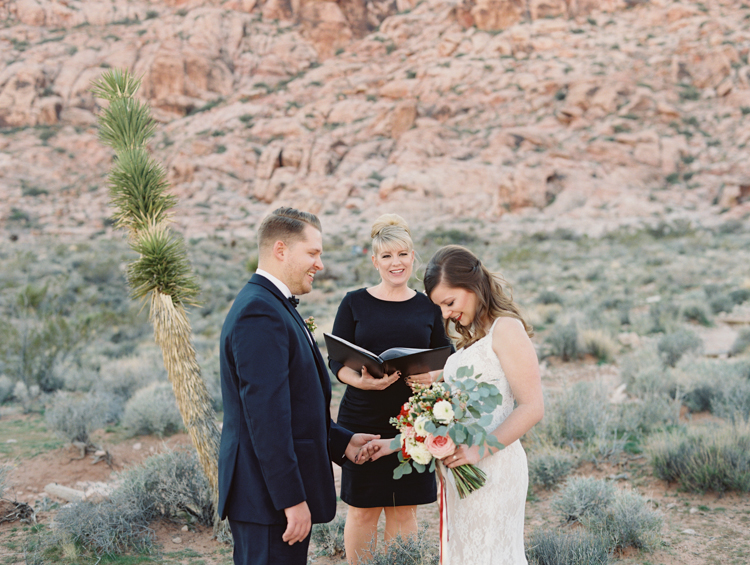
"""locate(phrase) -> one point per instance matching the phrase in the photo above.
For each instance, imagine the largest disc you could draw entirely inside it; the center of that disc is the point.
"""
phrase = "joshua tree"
(162, 274)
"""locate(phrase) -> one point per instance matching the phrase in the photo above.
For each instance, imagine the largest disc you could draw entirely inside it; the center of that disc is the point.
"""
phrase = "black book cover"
(408, 361)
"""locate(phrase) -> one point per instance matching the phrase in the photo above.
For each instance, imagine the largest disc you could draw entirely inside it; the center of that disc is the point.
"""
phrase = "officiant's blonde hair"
(390, 232)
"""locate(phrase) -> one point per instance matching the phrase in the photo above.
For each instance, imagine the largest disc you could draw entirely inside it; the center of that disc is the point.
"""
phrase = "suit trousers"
(261, 544)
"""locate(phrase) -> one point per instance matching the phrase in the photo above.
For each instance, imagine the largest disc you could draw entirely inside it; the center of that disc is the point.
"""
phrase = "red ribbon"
(443, 510)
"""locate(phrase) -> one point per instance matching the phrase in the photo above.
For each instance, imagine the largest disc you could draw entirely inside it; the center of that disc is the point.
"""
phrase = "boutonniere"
(310, 323)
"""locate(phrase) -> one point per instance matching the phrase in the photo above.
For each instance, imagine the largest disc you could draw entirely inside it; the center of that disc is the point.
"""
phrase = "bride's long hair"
(457, 267)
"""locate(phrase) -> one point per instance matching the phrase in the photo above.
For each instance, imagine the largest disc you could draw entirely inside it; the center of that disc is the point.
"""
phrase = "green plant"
(569, 417)
(741, 342)
(549, 466)
(673, 346)
(577, 547)
(581, 497)
(329, 538)
(411, 550)
(6, 390)
(152, 410)
(549, 297)
(598, 344)
(627, 522)
(704, 458)
(697, 313)
(162, 274)
(73, 418)
(563, 341)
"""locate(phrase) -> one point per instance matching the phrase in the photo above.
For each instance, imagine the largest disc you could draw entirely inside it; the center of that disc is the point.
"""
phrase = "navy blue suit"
(278, 441)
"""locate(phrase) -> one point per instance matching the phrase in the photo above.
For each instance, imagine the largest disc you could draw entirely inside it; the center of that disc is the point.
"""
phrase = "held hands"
(381, 448)
(298, 523)
(368, 382)
(361, 448)
(463, 456)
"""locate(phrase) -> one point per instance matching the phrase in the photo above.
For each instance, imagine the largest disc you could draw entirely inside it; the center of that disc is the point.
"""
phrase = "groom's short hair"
(287, 225)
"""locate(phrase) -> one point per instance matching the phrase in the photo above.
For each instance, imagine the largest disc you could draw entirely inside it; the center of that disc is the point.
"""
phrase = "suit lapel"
(322, 370)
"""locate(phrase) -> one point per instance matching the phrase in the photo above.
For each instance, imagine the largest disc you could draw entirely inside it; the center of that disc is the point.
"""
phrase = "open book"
(408, 361)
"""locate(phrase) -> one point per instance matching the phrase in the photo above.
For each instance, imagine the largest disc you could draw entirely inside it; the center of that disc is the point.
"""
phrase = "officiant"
(389, 314)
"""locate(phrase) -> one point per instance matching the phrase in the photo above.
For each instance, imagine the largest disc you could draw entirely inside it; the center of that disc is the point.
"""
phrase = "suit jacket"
(278, 441)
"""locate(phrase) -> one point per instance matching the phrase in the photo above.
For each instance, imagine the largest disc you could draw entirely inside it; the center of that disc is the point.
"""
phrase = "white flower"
(443, 412)
(419, 425)
(418, 451)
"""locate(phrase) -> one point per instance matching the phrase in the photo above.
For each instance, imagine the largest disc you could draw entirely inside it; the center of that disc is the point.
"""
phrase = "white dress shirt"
(282, 287)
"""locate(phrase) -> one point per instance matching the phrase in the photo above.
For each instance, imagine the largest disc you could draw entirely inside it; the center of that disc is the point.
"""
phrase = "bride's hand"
(368, 382)
(462, 456)
(382, 447)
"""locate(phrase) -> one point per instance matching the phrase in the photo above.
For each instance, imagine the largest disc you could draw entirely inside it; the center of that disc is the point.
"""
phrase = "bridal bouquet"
(437, 418)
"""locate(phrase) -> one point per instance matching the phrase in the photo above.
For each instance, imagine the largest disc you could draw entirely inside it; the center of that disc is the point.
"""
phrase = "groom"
(278, 440)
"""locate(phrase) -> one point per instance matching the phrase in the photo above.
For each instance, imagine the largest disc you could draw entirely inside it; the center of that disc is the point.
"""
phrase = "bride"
(486, 527)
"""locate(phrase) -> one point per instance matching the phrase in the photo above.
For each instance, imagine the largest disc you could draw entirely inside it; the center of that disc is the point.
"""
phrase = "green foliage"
(627, 522)
(6, 390)
(563, 342)
(549, 297)
(153, 410)
(673, 346)
(569, 417)
(73, 418)
(700, 459)
(411, 550)
(114, 84)
(697, 313)
(329, 538)
(741, 343)
(126, 124)
(163, 267)
(138, 188)
(576, 547)
(170, 485)
(584, 496)
(549, 466)
(598, 344)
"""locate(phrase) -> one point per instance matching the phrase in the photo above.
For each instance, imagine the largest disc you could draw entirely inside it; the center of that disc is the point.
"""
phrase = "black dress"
(378, 325)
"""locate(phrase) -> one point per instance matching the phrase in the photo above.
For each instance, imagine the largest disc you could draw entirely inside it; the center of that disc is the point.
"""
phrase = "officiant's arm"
(519, 362)
(365, 380)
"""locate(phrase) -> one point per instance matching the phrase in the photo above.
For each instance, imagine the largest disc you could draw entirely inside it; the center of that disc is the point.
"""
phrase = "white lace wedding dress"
(486, 527)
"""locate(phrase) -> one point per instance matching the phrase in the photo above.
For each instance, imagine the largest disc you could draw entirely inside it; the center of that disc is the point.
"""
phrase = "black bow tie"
(294, 300)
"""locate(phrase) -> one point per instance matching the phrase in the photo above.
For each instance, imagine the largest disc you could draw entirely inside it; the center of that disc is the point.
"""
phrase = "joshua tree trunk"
(162, 273)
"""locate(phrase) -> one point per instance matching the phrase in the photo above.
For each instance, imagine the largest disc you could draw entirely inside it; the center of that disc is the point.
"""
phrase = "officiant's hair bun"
(390, 231)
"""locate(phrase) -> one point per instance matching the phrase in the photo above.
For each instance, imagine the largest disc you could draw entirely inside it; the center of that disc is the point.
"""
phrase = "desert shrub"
(643, 372)
(563, 341)
(4, 471)
(598, 344)
(153, 410)
(650, 413)
(549, 466)
(705, 458)
(697, 313)
(627, 522)
(732, 401)
(329, 538)
(581, 497)
(110, 527)
(663, 316)
(741, 342)
(673, 346)
(125, 376)
(74, 417)
(698, 399)
(555, 547)
(411, 550)
(6, 388)
(721, 303)
(569, 415)
(549, 297)
(168, 485)
(740, 295)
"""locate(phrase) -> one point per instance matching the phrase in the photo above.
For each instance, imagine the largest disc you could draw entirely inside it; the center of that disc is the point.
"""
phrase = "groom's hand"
(298, 523)
(359, 449)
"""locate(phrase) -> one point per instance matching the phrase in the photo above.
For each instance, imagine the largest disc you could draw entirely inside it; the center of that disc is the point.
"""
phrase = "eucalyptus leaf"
(396, 442)
(430, 427)
(418, 467)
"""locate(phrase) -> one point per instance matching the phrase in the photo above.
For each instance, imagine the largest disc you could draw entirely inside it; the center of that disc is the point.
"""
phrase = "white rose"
(419, 425)
(418, 451)
(443, 412)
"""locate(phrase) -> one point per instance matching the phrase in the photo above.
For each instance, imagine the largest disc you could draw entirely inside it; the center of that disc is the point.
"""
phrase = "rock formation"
(584, 113)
